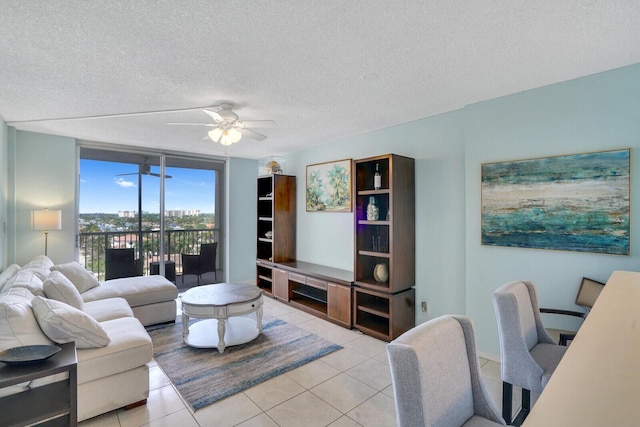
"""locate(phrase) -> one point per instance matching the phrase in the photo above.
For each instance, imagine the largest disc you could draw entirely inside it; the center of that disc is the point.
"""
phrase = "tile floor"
(348, 388)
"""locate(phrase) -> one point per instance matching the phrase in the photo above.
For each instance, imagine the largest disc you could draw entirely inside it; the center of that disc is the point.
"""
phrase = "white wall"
(594, 113)
(240, 219)
(44, 175)
(437, 146)
(4, 177)
(454, 273)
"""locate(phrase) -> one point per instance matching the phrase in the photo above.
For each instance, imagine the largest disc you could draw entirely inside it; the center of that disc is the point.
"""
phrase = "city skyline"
(109, 187)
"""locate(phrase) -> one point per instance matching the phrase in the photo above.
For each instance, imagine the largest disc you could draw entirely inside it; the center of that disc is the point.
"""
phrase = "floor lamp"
(46, 220)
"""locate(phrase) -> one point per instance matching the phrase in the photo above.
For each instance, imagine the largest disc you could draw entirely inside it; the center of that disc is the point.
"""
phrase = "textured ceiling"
(322, 70)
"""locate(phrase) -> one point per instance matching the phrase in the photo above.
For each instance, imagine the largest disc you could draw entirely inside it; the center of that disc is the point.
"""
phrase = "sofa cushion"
(7, 274)
(18, 325)
(130, 348)
(28, 279)
(139, 290)
(63, 323)
(59, 288)
(81, 278)
(108, 309)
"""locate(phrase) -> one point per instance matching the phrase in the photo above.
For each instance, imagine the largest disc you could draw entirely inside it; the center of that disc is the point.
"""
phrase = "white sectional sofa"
(42, 303)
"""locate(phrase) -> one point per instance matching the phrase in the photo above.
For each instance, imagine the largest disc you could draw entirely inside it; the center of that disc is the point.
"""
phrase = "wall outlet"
(424, 307)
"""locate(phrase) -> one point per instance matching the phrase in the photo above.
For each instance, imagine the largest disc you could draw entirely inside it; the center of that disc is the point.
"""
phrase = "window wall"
(160, 205)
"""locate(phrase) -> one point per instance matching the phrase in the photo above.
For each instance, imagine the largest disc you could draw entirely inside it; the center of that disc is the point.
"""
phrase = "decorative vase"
(372, 210)
(380, 273)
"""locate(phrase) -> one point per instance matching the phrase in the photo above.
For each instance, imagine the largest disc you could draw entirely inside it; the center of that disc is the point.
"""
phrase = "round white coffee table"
(221, 303)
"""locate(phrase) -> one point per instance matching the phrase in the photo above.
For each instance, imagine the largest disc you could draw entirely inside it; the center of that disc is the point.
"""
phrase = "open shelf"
(385, 308)
(264, 278)
(276, 213)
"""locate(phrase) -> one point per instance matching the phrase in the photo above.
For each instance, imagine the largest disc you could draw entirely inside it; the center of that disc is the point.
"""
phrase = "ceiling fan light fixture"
(215, 134)
(235, 135)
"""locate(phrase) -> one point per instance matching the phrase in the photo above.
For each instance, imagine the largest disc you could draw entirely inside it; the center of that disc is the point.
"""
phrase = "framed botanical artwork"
(329, 187)
(576, 202)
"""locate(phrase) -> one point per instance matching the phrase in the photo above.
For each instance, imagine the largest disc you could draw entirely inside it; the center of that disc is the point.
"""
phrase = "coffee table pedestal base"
(236, 330)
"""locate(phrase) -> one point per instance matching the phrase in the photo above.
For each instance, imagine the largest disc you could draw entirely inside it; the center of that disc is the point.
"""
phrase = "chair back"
(520, 329)
(120, 263)
(588, 293)
(208, 257)
(436, 375)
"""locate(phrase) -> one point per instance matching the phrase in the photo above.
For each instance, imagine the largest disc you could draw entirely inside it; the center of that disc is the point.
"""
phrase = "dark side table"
(169, 269)
(51, 404)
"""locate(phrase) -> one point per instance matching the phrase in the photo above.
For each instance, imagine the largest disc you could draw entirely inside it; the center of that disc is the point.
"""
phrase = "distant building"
(179, 213)
(175, 213)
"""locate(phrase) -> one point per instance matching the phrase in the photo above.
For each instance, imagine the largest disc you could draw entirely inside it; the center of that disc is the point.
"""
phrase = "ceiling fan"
(144, 169)
(227, 128)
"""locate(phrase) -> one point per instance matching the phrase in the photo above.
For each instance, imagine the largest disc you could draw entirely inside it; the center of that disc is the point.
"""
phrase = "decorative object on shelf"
(535, 203)
(373, 212)
(329, 187)
(377, 179)
(381, 273)
(46, 220)
(271, 165)
(268, 234)
(379, 245)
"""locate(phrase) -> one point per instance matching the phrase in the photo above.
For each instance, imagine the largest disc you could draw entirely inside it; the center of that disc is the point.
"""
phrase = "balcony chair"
(436, 376)
(204, 262)
(528, 354)
(586, 298)
(121, 263)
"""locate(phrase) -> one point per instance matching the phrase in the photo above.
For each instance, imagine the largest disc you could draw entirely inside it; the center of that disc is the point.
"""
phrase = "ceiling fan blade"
(256, 124)
(251, 134)
(215, 116)
(108, 116)
(124, 174)
(194, 124)
(158, 175)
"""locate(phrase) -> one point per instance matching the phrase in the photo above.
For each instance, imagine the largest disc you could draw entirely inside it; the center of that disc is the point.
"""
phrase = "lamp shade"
(45, 219)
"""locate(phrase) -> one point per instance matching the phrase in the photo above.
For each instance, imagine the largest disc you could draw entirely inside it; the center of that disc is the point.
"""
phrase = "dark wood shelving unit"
(276, 213)
(384, 309)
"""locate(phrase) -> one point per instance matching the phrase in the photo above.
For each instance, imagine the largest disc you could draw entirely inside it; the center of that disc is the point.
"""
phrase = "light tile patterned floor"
(348, 388)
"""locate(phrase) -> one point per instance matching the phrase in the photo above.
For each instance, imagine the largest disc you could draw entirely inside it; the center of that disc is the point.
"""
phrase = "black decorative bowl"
(28, 354)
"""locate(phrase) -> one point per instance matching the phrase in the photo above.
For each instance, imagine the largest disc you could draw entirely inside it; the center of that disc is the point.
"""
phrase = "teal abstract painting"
(577, 203)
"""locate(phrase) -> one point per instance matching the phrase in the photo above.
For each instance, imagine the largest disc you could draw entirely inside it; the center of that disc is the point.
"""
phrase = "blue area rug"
(204, 376)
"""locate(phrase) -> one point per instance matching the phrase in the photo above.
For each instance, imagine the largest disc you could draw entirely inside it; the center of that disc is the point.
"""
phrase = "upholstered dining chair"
(528, 353)
(436, 376)
(588, 293)
(204, 262)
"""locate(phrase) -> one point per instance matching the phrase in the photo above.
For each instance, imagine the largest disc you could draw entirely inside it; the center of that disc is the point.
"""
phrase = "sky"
(102, 190)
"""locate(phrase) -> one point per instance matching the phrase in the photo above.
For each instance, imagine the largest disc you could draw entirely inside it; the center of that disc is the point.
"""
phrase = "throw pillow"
(7, 274)
(28, 279)
(59, 288)
(63, 323)
(41, 265)
(19, 326)
(81, 278)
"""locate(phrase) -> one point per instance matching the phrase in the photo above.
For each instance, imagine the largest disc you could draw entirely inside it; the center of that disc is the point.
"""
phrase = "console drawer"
(295, 277)
(320, 284)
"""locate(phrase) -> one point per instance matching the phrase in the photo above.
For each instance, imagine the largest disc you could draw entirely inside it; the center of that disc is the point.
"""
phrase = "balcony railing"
(177, 242)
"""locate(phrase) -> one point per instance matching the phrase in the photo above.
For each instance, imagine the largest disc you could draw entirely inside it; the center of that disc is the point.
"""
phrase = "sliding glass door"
(161, 206)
